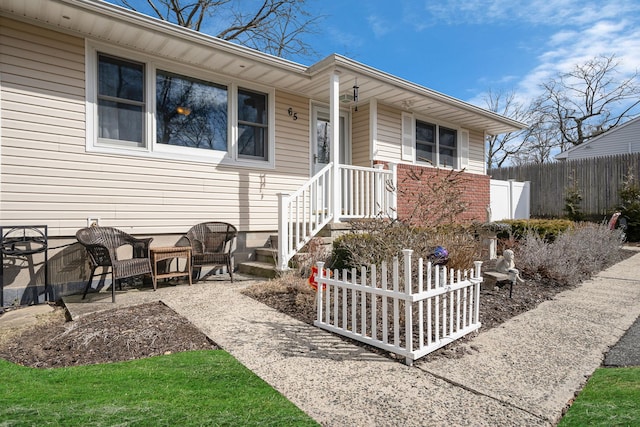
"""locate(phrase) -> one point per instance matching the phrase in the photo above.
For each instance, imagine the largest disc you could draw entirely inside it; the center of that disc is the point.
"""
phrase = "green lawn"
(208, 388)
(610, 398)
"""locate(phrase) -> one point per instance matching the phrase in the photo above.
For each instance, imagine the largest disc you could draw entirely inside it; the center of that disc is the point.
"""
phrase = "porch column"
(334, 119)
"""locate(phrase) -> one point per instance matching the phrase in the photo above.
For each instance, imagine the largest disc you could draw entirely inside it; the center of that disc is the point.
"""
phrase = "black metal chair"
(102, 245)
(211, 245)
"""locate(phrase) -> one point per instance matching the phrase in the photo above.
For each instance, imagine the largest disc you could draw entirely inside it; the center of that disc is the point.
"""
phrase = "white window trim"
(409, 151)
(163, 151)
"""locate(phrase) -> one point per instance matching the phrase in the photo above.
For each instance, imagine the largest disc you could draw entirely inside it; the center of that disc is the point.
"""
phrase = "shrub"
(437, 205)
(383, 242)
(573, 256)
(315, 250)
(546, 229)
(630, 206)
(572, 204)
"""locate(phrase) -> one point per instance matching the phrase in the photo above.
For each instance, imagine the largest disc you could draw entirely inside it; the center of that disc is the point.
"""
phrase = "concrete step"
(267, 255)
(264, 264)
(258, 269)
(326, 240)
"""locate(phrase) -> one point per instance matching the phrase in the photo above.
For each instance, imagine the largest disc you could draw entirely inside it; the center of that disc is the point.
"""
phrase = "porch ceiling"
(114, 25)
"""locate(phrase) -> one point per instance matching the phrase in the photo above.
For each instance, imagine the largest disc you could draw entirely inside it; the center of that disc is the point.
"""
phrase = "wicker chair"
(211, 245)
(102, 244)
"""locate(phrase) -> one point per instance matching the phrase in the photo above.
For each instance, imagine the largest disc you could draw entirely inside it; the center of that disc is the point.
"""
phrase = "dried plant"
(437, 198)
(575, 255)
(315, 250)
(433, 221)
(378, 243)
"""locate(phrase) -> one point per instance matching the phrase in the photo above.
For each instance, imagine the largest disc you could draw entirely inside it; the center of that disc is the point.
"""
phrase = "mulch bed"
(116, 335)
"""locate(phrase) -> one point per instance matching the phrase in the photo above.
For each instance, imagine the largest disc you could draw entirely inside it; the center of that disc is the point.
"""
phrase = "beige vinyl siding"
(476, 152)
(361, 140)
(389, 126)
(49, 178)
(292, 135)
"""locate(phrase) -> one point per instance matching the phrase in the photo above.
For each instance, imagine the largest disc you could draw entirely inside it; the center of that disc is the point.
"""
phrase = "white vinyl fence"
(410, 314)
(509, 200)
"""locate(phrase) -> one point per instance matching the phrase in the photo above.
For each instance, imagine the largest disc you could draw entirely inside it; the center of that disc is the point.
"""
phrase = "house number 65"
(292, 113)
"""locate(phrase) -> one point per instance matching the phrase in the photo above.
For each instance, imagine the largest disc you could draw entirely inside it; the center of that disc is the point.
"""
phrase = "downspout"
(334, 119)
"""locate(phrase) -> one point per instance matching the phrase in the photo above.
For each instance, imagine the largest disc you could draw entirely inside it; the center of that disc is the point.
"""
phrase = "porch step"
(326, 240)
(258, 269)
(267, 255)
(264, 264)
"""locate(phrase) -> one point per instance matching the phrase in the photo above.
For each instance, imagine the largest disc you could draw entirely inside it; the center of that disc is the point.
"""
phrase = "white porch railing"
(366, 192)
(411, 322)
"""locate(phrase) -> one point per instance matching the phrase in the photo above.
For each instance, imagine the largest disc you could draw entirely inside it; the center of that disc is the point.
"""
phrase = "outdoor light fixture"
(348, 98)
(355, 93)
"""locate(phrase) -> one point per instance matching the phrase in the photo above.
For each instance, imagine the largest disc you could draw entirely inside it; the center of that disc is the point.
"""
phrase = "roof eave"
(338, 62)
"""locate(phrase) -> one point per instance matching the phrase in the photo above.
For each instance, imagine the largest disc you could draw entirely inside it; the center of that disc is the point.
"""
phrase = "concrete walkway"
(521, 373)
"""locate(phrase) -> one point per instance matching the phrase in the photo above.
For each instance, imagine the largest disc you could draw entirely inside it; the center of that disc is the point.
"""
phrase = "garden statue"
(507, 265)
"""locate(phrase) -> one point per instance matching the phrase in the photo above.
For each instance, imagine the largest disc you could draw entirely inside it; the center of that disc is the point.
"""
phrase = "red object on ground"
(312, 278)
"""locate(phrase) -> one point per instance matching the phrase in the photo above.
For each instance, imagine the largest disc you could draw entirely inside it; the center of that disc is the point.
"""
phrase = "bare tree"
(538, 142)
(501, 148)
(589, 100)
(276, 27)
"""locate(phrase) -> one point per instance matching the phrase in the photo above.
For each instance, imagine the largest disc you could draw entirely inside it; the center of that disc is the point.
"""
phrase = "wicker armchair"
(211, 245)
(102, 244)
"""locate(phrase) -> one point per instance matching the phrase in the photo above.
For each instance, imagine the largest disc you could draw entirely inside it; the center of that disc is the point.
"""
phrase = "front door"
(321, 141)
(321, 149)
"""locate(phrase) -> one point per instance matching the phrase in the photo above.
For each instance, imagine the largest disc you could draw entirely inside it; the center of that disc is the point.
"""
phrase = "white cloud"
(344, 39)
(566, 49)
(572, 31)
(378, 25)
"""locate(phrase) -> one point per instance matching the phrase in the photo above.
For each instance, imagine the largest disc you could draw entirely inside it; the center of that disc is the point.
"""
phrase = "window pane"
(251, 141)
(447, 146)
(448, 137)
(252, 124)
(323, 135)
(120, 121)
(425, 141)
(425, 132)
(120, 79)
(447, 158)
(121, 105)
(190, 112)
(252, 107)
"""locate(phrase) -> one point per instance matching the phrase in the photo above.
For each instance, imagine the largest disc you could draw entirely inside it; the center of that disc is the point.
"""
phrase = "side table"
(170, 252)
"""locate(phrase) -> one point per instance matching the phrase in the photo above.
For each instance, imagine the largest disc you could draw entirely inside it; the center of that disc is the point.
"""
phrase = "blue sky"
(464, 48)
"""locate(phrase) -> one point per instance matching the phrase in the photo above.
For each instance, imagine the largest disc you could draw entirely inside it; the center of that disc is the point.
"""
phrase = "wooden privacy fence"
(410, 314)
(597, 179)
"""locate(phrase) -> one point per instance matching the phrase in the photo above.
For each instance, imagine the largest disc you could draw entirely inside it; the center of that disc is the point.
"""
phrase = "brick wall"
(414, 180)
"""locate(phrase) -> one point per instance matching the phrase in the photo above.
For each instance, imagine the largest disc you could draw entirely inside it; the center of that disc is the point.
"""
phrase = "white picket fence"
(394, 312)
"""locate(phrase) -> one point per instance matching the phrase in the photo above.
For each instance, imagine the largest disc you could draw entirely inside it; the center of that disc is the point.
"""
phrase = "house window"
(252, 124)
(190, 112)
(121, 105)
(436, 144)
(151, 108)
